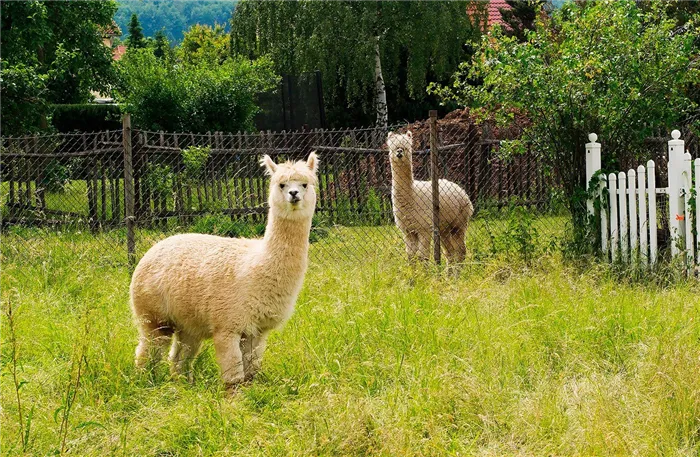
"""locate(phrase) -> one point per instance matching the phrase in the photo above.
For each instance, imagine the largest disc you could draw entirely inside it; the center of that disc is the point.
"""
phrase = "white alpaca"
(193, 287)
(413, 207)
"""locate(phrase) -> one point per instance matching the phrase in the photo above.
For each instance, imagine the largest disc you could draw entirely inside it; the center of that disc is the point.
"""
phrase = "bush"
(86, 117)
(164, 95)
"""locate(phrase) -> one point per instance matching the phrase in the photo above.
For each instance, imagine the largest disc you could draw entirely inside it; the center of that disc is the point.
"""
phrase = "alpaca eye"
(281, 186)
(304, 186)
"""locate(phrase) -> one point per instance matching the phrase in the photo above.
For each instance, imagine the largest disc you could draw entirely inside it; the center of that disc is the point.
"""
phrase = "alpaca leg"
(258, 345)
(230, 358)
(424, 247)
(460, 248)
(184, 349)
(153, 338)
(411, 245)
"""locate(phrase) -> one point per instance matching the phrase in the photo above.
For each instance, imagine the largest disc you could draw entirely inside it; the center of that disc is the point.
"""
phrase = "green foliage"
(86, 117)
(194, 159)
(161, 45)
(24, 94)
(218, 224)
(52, 52)
(419, 42)
(136, 39)
(174, 17)
(204, 44)
(520, 235)
(158, 180)
(163, 95)
(605, 67)
(55, 177)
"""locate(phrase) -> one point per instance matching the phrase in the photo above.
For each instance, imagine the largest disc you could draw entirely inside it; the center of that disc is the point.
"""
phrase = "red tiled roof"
(118, 52)
(494, 13)
(490, 10)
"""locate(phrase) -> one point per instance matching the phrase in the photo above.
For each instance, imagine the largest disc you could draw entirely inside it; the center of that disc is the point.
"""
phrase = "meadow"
(516, 356)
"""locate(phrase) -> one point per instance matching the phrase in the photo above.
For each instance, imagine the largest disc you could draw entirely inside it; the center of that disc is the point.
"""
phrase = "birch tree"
(375, 57)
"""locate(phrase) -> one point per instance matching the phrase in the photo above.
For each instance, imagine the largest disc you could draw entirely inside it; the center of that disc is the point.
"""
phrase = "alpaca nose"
(293, 193)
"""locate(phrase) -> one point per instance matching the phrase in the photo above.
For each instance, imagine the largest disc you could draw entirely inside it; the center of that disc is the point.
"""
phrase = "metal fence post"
(434, 177)
(129, 189)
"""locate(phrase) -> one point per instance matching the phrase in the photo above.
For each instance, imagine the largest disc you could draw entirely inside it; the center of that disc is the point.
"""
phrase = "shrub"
(163, 95)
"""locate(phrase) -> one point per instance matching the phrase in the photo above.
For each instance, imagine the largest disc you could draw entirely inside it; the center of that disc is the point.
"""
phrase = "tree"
(52, 52)
(161, 45)
(203, 43)
(136, 39)
(201, 97)
(604, 67)
(521, 16)
(358, 46)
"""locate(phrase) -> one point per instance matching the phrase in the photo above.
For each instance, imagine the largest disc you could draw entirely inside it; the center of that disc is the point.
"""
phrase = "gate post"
(434, 177)
(676, 205)
(128, 189)
(593, 165)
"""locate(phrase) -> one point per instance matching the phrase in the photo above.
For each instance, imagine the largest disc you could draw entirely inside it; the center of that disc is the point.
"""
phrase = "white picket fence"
(628, 214)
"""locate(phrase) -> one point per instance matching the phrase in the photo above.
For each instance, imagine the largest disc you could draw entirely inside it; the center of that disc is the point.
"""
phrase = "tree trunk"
(382, 112)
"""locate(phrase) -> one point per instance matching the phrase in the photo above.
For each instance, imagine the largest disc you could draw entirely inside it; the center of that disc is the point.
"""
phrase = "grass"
(378, 359)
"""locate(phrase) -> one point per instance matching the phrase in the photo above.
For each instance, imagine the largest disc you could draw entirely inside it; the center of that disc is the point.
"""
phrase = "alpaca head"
(400, 147)
(292, 187)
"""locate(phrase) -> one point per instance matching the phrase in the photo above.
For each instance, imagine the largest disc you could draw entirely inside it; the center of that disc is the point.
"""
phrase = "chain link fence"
(122, 191)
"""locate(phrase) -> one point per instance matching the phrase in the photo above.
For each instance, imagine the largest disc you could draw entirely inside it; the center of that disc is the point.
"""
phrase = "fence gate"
(629, 215)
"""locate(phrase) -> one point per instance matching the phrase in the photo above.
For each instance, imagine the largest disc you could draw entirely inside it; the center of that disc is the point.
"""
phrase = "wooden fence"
(80, 178)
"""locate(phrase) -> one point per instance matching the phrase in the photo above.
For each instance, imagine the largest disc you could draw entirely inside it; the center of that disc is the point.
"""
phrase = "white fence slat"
(651, 190)
(614, 227)
(624, 228)
(643, 223)
(697, 210)
(632, 196)
(687, 186)
(604, 216)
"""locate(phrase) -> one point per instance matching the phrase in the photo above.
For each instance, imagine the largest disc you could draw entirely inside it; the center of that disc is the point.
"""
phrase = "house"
(108, 38)
(489, 10)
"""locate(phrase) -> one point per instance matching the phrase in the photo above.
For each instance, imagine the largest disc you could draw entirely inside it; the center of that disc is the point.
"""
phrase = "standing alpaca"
(413, 207)
(192, 287)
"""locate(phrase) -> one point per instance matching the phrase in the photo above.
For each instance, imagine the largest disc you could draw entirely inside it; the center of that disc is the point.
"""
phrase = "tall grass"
(511, 358)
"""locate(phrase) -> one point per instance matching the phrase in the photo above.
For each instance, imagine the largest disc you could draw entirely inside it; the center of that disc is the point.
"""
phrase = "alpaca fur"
(413, 207)
(192, 287)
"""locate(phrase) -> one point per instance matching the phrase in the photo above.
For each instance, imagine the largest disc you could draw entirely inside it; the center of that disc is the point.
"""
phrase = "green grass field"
(510, 358)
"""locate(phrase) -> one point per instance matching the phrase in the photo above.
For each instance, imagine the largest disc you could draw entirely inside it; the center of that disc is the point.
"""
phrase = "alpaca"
(192, 287)
(412, 202)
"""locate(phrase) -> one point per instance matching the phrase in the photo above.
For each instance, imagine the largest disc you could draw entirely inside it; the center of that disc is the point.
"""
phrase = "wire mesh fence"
(124, 190)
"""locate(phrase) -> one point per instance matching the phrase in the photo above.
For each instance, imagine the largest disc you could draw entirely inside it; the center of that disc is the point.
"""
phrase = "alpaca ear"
(409, 134)
(312, 162)
(269, 164)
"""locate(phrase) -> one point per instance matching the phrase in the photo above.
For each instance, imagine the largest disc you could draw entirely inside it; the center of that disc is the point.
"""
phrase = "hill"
(175, 16)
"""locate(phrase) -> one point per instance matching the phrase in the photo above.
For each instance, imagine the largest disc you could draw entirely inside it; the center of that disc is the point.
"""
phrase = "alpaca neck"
(287, 238)
(402, 178)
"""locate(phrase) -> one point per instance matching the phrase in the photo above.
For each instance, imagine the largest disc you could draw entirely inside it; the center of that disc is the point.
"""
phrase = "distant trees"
(174, 17)
(136, 39)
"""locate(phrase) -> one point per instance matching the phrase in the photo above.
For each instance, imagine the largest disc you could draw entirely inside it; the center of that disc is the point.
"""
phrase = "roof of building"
(118, 52)
(112, 30)
(495, 13)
